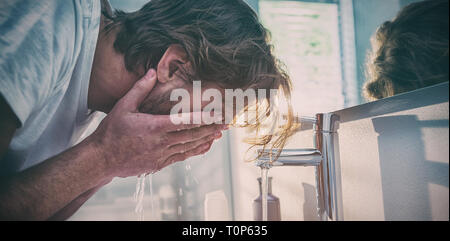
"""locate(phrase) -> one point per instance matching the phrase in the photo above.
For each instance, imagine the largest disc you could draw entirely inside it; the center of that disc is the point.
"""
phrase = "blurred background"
(324, 45)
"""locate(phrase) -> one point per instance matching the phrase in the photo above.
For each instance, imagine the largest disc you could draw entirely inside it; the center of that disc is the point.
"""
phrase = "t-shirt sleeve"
(33, 60)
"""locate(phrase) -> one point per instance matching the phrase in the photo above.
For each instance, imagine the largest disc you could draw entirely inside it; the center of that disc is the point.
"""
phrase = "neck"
(97, 98)
(109, 80)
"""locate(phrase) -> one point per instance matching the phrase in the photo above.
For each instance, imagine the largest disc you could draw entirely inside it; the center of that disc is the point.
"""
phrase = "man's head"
(411, 51)
(220, 43)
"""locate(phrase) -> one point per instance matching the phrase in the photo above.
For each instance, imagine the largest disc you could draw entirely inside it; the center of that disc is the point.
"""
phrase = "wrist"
(101, 156)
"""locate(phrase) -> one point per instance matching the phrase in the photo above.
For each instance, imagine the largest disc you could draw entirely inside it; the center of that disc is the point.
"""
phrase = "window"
(307, 38)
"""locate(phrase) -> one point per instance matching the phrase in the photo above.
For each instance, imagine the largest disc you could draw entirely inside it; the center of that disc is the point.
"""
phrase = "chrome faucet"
(290, 157)
(321, 157)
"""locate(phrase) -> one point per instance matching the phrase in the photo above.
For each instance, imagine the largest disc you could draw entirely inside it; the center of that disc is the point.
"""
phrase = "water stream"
(152, 206)
(265, 166)
(139, 197)
(264, 186)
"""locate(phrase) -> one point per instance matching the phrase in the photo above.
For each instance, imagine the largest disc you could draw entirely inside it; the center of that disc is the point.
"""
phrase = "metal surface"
(292, 157)
(326, 134)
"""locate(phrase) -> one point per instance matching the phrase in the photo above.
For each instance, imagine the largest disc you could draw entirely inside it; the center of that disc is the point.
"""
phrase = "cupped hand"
(134, 143)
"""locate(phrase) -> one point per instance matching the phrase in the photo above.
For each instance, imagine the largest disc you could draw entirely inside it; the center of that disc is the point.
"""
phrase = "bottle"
(273, 204)
(216, 206)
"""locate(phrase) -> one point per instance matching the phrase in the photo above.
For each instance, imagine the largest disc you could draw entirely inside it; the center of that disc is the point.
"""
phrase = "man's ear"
(173, 59)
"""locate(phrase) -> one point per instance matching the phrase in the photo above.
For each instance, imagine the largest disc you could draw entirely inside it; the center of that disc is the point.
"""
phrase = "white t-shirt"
(46, 54)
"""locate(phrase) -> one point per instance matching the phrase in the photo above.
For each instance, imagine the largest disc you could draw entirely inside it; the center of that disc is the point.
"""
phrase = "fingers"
(132, 100)
(183, 156)
(178, 122)
(194, 134)
(182, 148)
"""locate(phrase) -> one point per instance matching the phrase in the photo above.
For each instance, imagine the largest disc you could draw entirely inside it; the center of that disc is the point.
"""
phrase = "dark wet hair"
(411, 51)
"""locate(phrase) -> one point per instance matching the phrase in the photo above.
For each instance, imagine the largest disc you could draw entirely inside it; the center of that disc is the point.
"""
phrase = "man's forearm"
(41, 191)
(73, 206)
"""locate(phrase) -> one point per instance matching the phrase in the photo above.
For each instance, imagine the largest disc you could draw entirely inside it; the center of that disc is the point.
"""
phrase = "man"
(123, 64)
(409, 52)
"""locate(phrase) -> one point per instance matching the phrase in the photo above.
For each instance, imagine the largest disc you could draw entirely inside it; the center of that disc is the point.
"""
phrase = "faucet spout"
(289, 157)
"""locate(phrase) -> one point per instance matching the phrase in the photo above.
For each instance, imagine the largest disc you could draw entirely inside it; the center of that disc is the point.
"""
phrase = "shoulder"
(40, 42)
(32, 10)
